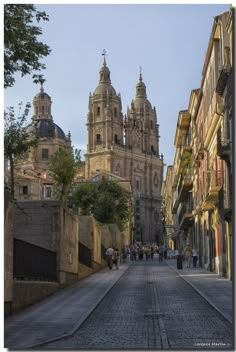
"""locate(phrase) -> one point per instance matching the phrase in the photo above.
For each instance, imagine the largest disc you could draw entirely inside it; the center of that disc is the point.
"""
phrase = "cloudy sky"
(169, 42)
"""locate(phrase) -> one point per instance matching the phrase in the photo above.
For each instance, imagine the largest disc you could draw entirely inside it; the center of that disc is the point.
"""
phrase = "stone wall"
(38, 222)
(48, 225)
(26, 293)
(8, 252)
(96, 242)
(106, 237)
(68, 248)
(85, 228)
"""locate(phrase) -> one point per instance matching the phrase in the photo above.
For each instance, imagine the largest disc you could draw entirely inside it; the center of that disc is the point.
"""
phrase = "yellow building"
(129, 148)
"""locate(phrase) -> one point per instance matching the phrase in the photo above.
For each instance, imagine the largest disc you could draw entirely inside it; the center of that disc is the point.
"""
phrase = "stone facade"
(170, 231)
(202, 182)
(33, 181)
(127, 147)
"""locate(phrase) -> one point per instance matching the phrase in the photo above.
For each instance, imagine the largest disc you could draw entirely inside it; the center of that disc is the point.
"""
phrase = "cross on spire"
(140, 73)
(104, 53)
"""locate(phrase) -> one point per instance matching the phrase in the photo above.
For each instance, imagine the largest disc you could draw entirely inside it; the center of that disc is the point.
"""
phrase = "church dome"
(46, 128)
(104, 88)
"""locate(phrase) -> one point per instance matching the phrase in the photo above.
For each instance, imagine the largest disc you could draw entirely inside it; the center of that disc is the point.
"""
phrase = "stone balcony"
(213, 187)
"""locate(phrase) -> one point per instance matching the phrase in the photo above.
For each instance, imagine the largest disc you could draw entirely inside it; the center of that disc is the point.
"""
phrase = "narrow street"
(149, 307)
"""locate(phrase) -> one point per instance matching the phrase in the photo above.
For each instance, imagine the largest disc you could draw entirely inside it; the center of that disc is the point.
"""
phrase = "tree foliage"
(22, 49)
(106, 200)
(17, 140)
(64, 164)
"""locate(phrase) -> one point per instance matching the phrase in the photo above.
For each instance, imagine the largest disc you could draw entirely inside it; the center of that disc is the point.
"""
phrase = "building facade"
(202, 169)
(127, 147)
(32, 179)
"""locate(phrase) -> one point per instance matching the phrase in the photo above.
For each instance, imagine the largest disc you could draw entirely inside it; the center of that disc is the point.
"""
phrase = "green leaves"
(22, 50)
(106, 200)
(16, 138)
(64, 164)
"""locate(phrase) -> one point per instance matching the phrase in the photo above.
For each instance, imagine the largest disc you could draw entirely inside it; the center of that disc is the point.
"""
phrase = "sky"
(169, 42)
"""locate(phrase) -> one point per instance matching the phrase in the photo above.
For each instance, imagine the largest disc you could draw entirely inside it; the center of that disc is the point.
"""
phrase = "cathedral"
(127, 146)
(124, 147)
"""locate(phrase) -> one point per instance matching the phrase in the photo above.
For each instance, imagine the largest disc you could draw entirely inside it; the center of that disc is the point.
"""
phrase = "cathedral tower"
(127, 147)
(104, 124)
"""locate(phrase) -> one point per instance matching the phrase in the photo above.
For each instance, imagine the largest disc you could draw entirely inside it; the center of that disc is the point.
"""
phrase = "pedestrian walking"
(109, 254)
(152, 251)
(161, 252)
(188, 255)
(116, 258)
(195, 257)
(124, 254)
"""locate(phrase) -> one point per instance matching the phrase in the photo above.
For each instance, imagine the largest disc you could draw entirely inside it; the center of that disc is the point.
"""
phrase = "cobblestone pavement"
(151, 307)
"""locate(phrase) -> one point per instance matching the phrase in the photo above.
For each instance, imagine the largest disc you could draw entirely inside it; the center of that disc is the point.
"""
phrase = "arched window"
(115, 112)
(98, 139)
(98, 111)
(151, 125)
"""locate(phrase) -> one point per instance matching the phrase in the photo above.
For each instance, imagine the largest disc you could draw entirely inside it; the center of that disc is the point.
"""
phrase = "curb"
(82, 319)
(225, 315)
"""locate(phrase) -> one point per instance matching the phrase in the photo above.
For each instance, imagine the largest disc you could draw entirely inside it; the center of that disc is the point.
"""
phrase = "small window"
(98, 111)
(115, 112)
(37, 110)
(151, 125)
(152, 149)
(95, 178)
(116, 139)
(98, 138)
(24, 190)
(42, 109)
(45, 154)
(48, 192)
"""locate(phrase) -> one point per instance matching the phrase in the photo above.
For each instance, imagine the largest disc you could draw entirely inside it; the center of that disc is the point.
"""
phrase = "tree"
(84, 196)
(106, 200)
(64, 164)
(16, 139)
(22, 49)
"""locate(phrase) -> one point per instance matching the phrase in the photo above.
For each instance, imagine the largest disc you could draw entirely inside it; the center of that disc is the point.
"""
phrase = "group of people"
(190, 253)
(139, 251)
(113, 257)
(136, 251)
